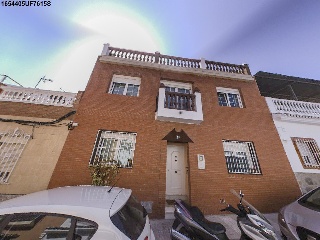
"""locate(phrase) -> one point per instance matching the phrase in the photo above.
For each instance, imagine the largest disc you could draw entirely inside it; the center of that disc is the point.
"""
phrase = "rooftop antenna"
(43, 79)
(6, 76)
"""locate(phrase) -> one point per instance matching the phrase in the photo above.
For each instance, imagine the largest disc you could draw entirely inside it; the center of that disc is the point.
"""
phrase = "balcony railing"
(296, 109)
(180, 101)
(167, 60)
(179, 107)
(37, 96)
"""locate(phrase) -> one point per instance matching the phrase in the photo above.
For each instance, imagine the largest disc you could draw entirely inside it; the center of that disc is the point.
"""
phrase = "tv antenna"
(44, 79)
(6, 76)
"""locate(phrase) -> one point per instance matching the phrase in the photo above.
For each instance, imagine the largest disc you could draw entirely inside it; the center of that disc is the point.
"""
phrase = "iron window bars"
(241, 157)
(308, 151)
(117, 146)
(12, 144)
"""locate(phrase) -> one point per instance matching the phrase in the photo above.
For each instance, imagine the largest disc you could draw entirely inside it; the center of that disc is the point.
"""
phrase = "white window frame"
(228, 91)
(125, 80)
(244, 158)
(308, 151)
(109, 145)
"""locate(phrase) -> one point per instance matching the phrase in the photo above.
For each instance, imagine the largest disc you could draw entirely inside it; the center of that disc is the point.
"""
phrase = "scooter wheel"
(178, 226)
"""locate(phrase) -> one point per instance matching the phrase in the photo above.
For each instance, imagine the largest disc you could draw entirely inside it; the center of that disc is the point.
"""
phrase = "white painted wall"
(290, 127)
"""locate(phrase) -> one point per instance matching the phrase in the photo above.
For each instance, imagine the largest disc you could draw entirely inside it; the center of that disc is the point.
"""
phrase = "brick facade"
(274, 188)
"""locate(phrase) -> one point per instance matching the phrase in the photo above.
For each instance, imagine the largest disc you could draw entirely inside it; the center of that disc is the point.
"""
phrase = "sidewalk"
(161, 227)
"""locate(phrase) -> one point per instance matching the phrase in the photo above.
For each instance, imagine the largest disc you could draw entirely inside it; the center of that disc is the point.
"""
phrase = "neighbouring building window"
(118, 146)
(308, 151)
(125, 85)
(12, 144)
(229, 97)
(241, 157)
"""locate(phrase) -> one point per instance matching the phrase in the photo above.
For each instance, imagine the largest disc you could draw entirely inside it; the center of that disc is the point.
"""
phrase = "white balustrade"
(293, 108)
(37, 96)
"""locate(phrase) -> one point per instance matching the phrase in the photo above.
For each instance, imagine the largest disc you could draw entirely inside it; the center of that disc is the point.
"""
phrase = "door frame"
(187, 169)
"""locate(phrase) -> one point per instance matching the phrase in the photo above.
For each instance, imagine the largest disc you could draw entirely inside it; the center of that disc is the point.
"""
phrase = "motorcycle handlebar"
(231, 209)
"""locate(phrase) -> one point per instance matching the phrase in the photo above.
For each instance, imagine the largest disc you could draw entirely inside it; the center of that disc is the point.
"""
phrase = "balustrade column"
(105, 50)
(203, 64)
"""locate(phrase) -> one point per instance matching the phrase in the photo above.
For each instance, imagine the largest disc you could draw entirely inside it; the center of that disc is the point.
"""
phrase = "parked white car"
(301, 219)
(79, 212)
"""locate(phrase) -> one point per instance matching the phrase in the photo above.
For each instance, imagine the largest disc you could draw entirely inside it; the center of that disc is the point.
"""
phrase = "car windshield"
(130, 219)
(312, 200)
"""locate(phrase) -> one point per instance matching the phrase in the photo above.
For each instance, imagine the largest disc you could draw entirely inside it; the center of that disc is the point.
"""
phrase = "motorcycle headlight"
(265, 228)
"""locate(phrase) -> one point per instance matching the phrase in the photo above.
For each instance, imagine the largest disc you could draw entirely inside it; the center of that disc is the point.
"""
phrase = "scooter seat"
(211, 227)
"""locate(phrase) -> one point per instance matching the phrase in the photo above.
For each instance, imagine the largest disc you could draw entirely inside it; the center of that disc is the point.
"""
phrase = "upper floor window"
(241, 157)
(114, 146)
(125, 85)
(229, 97)
(308, 151)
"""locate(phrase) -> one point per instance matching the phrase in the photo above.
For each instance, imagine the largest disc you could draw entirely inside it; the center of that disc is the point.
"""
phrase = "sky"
(62, 41)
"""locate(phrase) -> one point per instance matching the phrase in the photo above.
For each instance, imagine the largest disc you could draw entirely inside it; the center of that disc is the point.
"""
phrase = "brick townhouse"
(179, 127)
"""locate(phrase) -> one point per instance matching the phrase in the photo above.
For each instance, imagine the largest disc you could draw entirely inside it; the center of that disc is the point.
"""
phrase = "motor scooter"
(252, 223)
(190, 223)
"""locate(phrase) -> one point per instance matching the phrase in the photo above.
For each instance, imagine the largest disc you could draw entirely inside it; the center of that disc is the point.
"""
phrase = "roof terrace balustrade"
(178, 62)
(294, 110)
(36, 96)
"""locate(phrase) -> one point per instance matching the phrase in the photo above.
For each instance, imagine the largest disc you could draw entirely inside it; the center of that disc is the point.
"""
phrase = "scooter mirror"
(241, 194)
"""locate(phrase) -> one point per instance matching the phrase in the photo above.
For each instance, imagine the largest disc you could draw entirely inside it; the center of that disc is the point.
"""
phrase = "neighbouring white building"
(295, 107)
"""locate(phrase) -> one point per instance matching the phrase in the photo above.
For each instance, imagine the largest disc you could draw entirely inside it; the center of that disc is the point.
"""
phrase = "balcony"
(179, 107)
(36, 96)
(160, 61)
(296, 111)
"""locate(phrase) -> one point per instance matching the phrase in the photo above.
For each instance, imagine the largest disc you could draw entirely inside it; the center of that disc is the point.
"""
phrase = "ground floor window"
(308, 151)
(12, 144)
(114, 146)
(241, 157)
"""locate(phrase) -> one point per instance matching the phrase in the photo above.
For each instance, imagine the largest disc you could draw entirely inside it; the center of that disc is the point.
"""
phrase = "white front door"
(176, 183)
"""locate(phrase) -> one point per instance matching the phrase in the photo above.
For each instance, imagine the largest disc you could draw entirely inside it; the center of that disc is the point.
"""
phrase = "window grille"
(241, 157)
(308, 152)
(117, 146)
(12, 144)
(229, 97)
